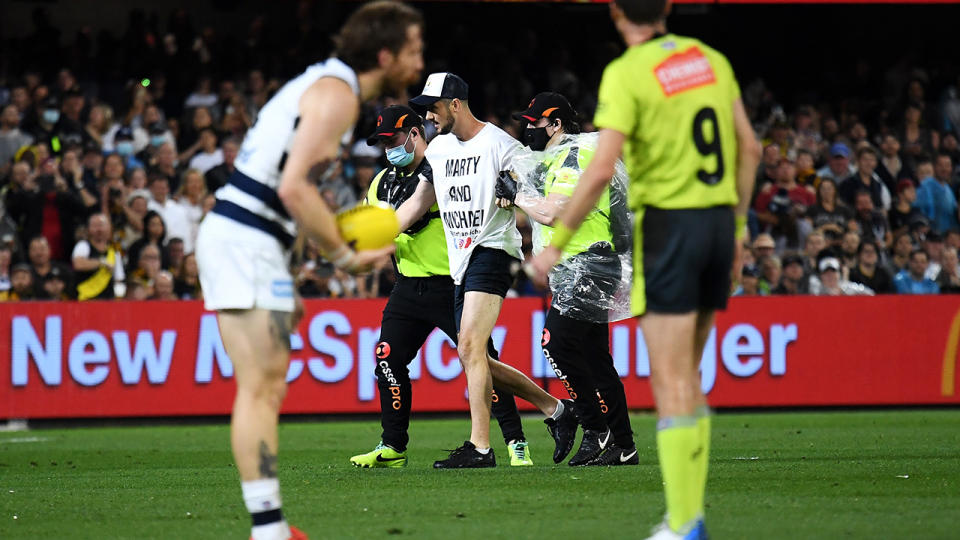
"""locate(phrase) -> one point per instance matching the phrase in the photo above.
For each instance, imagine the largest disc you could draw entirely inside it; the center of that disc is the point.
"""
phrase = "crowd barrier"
(119, 359)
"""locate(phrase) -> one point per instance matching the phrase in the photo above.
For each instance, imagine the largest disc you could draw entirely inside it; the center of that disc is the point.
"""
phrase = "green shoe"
(520, 454)
(381, 456)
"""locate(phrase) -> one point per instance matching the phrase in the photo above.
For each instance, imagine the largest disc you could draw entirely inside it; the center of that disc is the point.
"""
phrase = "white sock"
(263, 496)
(483, 451)
(556, 414)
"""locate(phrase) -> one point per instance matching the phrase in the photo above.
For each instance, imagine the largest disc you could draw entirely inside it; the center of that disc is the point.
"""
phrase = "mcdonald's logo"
(950, 359)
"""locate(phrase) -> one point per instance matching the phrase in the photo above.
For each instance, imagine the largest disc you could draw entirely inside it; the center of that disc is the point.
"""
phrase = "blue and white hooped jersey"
(250, 196)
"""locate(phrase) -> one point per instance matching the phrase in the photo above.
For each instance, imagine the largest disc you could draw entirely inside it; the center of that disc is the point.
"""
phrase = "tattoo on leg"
(268, 462)
(280, 329)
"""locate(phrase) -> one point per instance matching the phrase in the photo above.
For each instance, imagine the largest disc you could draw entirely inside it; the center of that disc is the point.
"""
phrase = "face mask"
(536, 138)
(125, 148)
(399, 156)
(51, 116)
(157, 140)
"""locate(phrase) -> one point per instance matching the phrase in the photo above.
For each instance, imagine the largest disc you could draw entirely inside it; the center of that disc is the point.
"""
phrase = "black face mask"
(536, 138)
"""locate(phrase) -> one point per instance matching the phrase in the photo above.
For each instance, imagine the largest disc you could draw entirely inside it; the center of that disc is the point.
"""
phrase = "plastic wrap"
(593, 284)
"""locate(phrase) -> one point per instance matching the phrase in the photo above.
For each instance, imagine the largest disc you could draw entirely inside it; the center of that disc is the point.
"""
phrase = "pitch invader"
(422, 298)
(671, 105)
(243, 245)
(482, 245)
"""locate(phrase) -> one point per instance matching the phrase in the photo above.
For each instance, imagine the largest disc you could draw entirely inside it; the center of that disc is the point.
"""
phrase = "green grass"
(777, 475)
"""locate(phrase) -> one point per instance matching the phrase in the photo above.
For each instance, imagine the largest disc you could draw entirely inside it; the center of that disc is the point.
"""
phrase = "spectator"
(6, 257)
(154, 234)
(935, 197)
(124, 146)
(814, 244)
(187, 284)
(912, 280)
(767, 172)
(99, 123)
(190, 197)
(72, 171)
(21, 284)
(902, 246)
(872, 223)
(165, 165)
(11, 137)
(828, 211)
(952, 239)
(829, 281)
(217, 177)
(136, 211)
(43, 204)
(208, 156)
(38, 253)
(163, 289)
(792, 281)
(933, 246)
(949, 277)
(770, 272)
(202, 96)
(148, 267)
(891, 169)
(865, 178)
(174, 217)
(341, 192)
(763, 246)
(779, 207)
(749, 282)
(838, 166)
(190, 136)
(172, 257)
(868, 271)
(44, 126)
(806, 171)
(916, 139)
(96, 264)
(951, 147)
(904, 211)
(136, 290)
(54, 286)
(849, 246)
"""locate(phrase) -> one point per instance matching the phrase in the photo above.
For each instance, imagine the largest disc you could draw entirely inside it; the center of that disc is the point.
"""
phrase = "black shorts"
(686, 256)
(489, 271)
(416, 306)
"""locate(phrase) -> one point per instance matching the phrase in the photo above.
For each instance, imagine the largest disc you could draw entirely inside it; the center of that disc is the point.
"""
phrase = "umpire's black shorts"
(685, 256)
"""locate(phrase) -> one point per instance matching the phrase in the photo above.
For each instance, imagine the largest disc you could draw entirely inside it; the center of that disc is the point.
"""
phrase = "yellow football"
(368, 226)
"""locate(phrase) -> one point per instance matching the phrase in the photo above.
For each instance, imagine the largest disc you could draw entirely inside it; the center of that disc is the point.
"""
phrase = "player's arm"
(543, 210)
(748, 159)
(417, 205)
(327, 109)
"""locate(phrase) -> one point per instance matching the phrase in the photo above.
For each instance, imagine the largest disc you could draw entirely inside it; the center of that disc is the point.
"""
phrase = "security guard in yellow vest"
(421, 300)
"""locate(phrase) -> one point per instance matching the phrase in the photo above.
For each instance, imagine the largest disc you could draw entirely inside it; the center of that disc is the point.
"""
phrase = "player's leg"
(258, 343)
(705, 320)
(479, 315)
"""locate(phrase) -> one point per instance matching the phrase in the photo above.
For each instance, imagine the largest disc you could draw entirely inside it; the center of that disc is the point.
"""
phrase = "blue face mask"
(51, 116)
(125, 148)
(399, 156)
(157, 140)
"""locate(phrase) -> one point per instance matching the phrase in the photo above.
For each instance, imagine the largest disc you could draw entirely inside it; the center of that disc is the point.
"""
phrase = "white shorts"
(242, 267)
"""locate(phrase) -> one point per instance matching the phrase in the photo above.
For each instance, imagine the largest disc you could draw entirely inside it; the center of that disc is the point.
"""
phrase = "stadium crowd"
(111, 149)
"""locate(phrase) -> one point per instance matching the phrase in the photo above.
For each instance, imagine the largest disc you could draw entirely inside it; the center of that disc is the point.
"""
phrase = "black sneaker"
(466, 457)
(593, 444)
(617, 455)
(563, 430)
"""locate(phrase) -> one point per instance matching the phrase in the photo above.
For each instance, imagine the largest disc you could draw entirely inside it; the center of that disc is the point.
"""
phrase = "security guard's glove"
(506, 187)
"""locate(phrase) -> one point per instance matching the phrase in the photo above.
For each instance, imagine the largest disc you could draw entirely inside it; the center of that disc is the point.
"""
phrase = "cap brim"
(423, 102)
(377, 137)
(524, 115)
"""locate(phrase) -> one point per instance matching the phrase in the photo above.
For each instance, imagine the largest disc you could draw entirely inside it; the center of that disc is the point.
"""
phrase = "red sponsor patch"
(544, 338)
(383, 350)
(684, 71)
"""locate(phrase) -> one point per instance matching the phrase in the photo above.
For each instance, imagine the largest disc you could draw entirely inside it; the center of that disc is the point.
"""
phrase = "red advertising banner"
(112, 359)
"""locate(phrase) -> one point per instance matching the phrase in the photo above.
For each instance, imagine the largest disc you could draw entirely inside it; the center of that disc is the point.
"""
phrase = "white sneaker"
(695, 530)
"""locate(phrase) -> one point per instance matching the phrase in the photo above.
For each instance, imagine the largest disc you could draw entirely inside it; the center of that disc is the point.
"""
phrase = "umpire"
(422, 298)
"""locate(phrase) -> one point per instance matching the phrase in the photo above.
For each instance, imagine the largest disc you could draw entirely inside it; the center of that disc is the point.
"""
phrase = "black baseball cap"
(124, 133)
(442, 85)
(546, 105)
(393, 119)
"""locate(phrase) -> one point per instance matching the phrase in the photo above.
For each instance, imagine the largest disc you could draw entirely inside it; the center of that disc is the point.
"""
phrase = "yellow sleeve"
(616, 106)
(372, 191)
(564, 181)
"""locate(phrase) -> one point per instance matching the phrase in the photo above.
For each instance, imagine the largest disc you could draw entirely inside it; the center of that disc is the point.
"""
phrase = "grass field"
(877, 474)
